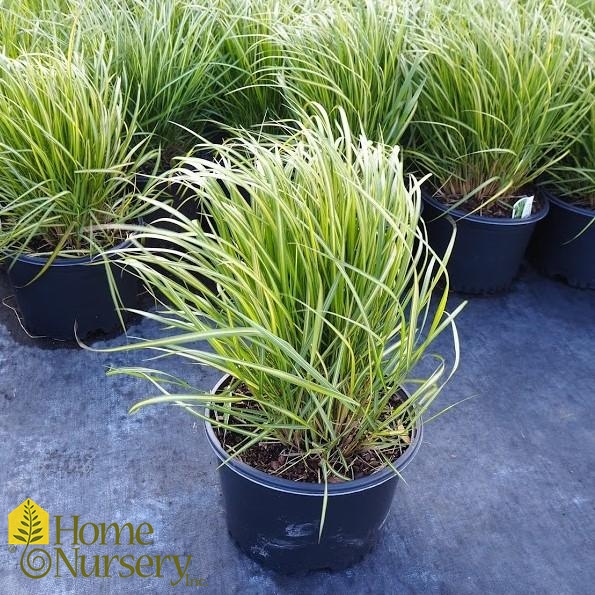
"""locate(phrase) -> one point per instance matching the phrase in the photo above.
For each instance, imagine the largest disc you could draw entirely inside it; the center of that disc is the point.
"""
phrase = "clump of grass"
(250, 92)
(573, 178)
(168, 56)
(499, 104)
(356, 56)
(34, 25)
(68, 154)
(323, 299)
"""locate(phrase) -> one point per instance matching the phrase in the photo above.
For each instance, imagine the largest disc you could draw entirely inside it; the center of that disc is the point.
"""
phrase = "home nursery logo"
(69, 556)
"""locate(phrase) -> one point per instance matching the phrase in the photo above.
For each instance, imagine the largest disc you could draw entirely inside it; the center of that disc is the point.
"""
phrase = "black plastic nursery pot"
(563, 245)
(71, 293)
(488, 251)
(276, 521)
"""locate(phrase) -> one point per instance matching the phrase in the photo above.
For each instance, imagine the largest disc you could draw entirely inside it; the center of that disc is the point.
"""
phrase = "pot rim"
(560, 202)
(457, 214)
(307, 488)
(61, 261)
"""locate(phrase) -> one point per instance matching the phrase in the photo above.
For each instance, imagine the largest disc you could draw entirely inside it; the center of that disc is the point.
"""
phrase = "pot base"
(294, 564)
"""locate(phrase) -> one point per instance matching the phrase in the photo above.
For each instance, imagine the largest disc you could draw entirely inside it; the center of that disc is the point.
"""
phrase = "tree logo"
(29, 524)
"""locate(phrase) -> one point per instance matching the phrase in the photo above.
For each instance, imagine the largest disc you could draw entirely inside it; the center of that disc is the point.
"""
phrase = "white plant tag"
(522, 207)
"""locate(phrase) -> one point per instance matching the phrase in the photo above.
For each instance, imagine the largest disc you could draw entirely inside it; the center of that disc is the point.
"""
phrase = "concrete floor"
(499, 500)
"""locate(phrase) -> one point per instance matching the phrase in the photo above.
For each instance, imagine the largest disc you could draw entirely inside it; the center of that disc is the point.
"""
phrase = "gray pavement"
(500, 498)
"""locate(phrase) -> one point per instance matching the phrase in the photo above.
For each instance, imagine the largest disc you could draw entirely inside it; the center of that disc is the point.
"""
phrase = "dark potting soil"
(282, 460)
(501, 207)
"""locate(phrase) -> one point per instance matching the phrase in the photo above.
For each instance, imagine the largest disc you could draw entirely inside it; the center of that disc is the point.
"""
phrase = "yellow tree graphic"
(28, 523)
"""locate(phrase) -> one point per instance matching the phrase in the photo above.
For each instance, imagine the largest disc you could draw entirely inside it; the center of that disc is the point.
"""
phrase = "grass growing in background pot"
(574, 176)
(323, 300)
(356, 56)
(67, 156)
(564, 244)
(499, 105)
(250, 92)
(168, 55)
(34, 25)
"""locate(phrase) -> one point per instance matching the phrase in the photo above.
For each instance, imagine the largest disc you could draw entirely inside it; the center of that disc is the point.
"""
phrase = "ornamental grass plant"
(168, 56)
(68, 154)
(356, 56)
(250, 92)
(573, 177)
(319, 300)
(34, 25)
(499, 104)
